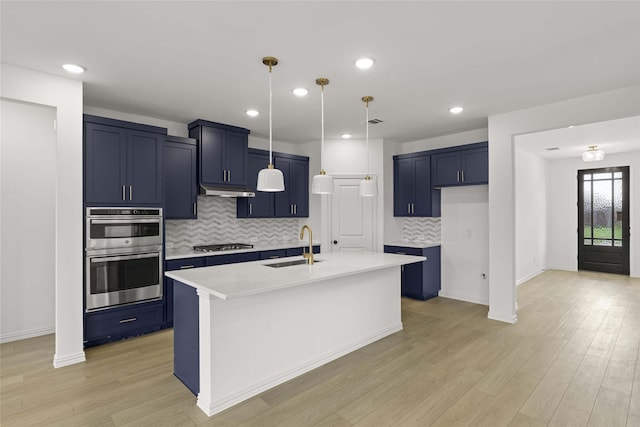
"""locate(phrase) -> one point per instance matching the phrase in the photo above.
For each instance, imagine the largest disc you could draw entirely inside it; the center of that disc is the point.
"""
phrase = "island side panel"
(185, 336)
(260, 341)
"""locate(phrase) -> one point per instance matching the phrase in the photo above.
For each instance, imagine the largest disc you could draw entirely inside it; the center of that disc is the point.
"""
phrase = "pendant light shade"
(592, 154)
(322, 183)
(368, 187)
(270, 179)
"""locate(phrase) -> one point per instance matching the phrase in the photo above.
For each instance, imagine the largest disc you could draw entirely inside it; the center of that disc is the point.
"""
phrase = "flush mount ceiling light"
(364, 63)
(346, 136)
(270, 179)
(74, 69)
(456, 110)
(300, 91)
(252, 113)
(367, 187)
(592, 154)
(322, 183)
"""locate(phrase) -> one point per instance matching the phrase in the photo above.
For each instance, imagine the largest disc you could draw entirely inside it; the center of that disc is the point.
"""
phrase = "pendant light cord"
(322, 121)
(270, 122)
(367, 134)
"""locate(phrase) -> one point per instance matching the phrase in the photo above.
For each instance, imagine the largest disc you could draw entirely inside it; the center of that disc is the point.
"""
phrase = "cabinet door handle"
(462, 176)
(458, 179)
(295, 209)
(413, 208)
(131, 192)
(228, 176)
(401, 253)
(182, 267)
(132, 319)
(274, 257)
(124, 197)
(195, 212)
(409, 208)
(250, 209)
(291, 209)
(402, 268)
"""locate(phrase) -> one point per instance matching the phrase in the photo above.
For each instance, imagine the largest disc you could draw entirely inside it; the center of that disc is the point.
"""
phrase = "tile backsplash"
(421, 229)
(217, 223)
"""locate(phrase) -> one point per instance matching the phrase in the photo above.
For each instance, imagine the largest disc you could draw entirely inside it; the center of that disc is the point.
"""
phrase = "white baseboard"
(508, 318)
(22, 335)
(463, 297)
(528, 277)
(214, 407)
(60, 361)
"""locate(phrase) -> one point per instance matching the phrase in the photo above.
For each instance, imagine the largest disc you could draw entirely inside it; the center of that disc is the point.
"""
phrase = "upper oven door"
(123, 232)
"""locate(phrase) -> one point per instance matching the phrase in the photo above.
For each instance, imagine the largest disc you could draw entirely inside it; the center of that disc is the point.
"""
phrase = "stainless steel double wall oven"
(123, 256)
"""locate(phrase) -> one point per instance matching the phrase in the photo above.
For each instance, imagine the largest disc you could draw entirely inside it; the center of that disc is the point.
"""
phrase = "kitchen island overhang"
(258, 326)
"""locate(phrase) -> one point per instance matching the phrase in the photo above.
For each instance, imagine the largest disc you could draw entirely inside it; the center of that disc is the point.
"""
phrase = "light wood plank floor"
(572, 359)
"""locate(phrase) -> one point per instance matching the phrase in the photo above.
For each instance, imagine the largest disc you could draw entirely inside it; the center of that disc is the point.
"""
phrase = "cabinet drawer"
(181, 264)
(117, 321)
(275, 253)
(402, 250)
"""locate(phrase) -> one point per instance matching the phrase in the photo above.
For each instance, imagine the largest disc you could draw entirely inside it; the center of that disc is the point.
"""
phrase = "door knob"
(335, 242)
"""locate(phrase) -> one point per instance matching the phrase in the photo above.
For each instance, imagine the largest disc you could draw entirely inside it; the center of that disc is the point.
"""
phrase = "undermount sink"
(290, 263)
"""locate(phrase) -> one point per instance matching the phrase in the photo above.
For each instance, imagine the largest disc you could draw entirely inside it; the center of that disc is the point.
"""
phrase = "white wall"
(465, 237)
(173, 128)
(531, 214)
(562, 193)
(502, 130)
(27, 220)
(461, 138)
(65, 96)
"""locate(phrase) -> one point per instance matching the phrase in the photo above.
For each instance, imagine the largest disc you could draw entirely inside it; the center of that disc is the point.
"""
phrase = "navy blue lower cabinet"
(186, 331)
(170, 265)
(420, 280)
(298, 251)
(119, 323)
(273, 254)
(232, 258)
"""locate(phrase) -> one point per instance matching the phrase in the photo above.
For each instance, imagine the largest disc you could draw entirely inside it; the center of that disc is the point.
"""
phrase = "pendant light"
(322, 183)
(592, 154)
(367, 187)
(270, 179)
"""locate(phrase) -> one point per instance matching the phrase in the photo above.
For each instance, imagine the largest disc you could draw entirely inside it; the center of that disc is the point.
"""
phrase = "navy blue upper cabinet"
(123, 162)
(463, 165)
(412, 185)
(222, 152)
(262, 205)
(294, 200)
(180, 178)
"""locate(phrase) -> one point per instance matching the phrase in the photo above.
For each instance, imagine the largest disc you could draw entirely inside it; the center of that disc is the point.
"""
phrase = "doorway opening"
(603, 220)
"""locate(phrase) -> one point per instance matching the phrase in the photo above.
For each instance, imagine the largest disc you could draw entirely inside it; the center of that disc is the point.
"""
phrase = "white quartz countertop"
(413, 244)
(251, 278)
(174, 254)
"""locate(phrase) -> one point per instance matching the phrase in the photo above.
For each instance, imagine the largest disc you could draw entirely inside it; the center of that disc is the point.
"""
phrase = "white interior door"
(352, 217)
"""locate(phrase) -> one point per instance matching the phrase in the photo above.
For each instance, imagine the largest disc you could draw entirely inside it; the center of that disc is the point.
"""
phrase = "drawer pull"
(274, 257)
(401, 253)
(182, 267)
(131, 319)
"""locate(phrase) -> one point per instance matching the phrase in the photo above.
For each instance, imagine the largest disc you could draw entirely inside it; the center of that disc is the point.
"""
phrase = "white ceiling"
(180, 61)
(613, 136)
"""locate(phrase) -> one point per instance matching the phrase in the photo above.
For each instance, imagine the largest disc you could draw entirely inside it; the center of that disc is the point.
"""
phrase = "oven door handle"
(125, 221)
(124, 257)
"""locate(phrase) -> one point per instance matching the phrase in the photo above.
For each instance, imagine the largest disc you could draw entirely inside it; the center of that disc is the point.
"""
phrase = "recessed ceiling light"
(346, 135)
(300, 91)
(252, 113)
(364, 63)
(456, 110)
(73, 68)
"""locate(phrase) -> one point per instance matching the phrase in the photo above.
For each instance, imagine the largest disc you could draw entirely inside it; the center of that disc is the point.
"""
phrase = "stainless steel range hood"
(225, 191)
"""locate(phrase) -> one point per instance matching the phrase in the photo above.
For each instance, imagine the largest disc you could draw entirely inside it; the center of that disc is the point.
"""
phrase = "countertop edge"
(171, 255)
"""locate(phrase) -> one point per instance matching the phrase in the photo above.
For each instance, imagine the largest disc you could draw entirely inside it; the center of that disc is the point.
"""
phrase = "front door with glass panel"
(603, 220)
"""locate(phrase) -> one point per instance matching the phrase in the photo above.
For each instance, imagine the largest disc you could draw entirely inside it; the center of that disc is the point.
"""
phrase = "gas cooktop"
(222, 247)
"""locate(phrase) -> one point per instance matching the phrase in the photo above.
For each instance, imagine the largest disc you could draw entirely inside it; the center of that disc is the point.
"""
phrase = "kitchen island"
(241, 329)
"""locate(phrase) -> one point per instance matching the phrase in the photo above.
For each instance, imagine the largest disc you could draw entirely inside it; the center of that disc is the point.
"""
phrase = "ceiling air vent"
(552, 148)
(375, 121)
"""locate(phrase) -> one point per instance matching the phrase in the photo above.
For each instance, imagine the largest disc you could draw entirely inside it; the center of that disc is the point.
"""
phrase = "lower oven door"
(122, 278)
